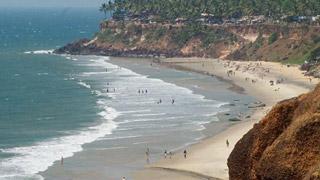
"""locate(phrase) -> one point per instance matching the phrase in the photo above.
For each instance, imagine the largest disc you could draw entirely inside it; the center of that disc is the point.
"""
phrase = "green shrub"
(159, 32)
(107, 36)
(134, 29)
(156, 34)
(273, 37)
(314, 55)
(315, 38)
(259, 41)
(182, 36)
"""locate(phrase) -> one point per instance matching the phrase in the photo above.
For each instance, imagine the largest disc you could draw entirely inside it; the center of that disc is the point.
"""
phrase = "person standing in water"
(172, 101)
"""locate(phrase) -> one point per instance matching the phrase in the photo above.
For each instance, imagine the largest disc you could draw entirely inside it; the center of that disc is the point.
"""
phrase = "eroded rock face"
(283, 145)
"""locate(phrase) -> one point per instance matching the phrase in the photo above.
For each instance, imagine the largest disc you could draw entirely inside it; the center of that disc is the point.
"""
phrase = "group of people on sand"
(142, 91)
(170, 154)
(160, 101)
(165, 155)
(254, 67)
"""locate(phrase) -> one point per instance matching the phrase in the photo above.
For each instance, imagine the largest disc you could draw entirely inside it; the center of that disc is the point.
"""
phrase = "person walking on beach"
(165, 154)
(123, 178)
(185, 154)
(147, 156)
(170, 154)
(61, 160)
(227, 143)
(172, 102)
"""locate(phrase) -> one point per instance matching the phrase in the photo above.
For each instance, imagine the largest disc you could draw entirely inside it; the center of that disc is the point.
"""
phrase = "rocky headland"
(281, 43)
(285, 144)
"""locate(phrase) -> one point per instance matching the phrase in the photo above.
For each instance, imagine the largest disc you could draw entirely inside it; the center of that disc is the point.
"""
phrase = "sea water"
(54, 106)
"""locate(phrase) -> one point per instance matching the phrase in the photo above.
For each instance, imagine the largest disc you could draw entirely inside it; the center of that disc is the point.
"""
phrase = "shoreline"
(93, 154)
(208, 158)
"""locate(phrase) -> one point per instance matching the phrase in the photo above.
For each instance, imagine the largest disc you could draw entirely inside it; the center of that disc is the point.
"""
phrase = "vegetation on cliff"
(193, 28)
(295, 45)
(283, 145)
(132, 39)
(192, 9)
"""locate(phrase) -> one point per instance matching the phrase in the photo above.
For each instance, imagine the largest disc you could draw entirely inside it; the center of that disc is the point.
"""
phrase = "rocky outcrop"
(283, 145)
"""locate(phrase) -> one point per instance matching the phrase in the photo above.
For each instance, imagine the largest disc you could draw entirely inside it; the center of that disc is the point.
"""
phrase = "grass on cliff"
(156, 34)
(107, 36)
(207, 35)
(307, 55)
(273, 38)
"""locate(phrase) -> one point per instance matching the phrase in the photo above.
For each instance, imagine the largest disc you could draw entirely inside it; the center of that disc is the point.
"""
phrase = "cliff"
(283, 145)
(136, 39)
(282, 43)
(287, 44)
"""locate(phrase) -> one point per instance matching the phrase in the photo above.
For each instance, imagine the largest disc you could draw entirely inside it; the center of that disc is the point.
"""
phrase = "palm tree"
(103, 8)
(110, 7)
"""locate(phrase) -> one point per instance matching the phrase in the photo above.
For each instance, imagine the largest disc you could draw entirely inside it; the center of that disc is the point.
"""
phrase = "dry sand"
(208, 158)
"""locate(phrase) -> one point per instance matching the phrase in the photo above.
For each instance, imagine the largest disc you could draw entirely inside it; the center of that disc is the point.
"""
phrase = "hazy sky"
(50, 3)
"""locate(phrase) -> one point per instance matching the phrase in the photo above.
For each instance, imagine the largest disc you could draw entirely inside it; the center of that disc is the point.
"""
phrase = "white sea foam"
(136, 111)
(43, 74)
(92, 73)
(84, 84)
(150, 114)
(50, 51)
(37, 158)
(119, 137)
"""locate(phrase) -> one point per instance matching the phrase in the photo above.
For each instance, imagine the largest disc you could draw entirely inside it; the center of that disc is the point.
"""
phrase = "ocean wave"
(31, 160)
(43, 74)
(119, 137)
(86, 74)
(135, 111)
(210, 114)
(150, 114)
(50, 51)
(84, 84)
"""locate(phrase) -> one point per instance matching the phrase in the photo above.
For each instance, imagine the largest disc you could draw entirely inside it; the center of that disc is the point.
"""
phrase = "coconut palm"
(103, 8)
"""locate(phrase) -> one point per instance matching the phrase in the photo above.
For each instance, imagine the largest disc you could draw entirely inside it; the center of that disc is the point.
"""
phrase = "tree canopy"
(191, 9)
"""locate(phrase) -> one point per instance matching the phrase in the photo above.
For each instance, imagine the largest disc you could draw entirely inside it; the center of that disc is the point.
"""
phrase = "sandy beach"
(266, 81)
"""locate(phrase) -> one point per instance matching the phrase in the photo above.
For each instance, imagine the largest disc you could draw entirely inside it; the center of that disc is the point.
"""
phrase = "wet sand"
(208, 159)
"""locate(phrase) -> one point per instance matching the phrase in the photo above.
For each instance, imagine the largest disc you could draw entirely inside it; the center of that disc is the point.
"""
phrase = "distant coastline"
(261, 42)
